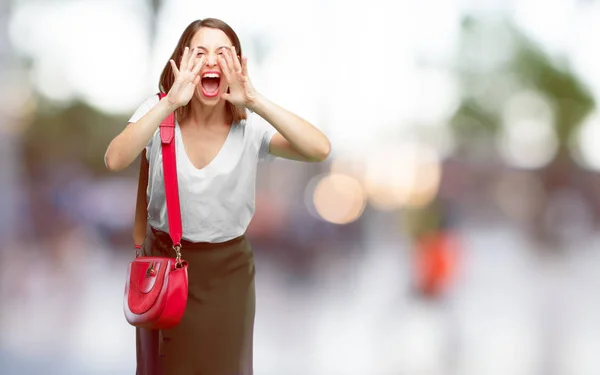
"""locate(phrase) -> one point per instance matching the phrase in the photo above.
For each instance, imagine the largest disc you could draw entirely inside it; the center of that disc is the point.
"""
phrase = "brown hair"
(167, 78)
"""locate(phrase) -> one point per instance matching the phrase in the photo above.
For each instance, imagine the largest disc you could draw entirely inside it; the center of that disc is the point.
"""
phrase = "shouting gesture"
(186, 77)
(241, 92)
(225, 128)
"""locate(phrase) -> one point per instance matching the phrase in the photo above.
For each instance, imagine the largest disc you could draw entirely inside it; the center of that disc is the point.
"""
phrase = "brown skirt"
(215, 335)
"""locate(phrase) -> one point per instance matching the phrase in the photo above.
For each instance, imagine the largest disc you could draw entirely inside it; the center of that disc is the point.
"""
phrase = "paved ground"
(512, 313)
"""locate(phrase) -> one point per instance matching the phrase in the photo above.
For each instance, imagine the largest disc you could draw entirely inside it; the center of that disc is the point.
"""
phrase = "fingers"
(192, 59)
(196, 80)
(174, 67)
(199, 64)
(245, 66)
(224, 68)
(229, 60)
(236, 61)
(184, 59)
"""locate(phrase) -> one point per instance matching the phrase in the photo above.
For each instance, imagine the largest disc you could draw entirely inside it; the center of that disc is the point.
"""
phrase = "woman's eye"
(200, 54)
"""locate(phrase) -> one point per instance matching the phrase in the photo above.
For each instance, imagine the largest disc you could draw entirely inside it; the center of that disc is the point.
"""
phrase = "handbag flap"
(148, 276)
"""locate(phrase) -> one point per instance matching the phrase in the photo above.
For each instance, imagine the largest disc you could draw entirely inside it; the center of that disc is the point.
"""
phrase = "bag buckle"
(178, 263)
(151, 271)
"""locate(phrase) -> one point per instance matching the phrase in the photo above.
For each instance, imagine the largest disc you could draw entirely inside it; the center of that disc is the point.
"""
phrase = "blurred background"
(453, 231)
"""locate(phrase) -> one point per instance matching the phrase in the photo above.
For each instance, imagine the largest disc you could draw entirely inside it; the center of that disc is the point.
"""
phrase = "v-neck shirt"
(217, 201)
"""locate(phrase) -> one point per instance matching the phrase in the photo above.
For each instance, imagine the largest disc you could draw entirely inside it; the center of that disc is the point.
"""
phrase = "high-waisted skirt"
(215, 335)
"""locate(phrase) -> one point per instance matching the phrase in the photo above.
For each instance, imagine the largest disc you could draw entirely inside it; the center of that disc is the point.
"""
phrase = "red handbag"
(156, 288)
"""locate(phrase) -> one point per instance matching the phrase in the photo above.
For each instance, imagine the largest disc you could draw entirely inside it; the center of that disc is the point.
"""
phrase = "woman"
(220, 136)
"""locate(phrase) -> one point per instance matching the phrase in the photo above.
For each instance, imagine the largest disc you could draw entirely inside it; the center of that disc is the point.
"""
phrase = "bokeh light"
(585, 145)
(77, 55)
(528, 139)
(339, 199)
(405, 175)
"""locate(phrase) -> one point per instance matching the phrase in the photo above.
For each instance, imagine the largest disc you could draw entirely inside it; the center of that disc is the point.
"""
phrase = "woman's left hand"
(241, 91)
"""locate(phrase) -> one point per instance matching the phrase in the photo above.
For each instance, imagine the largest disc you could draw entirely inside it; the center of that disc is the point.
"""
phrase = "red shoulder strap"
(167, 136)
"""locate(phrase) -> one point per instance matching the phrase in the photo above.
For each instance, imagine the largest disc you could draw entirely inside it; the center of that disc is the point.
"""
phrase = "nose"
(211, 60)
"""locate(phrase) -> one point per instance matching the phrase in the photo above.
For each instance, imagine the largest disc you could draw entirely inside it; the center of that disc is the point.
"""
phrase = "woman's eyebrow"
(218, 48)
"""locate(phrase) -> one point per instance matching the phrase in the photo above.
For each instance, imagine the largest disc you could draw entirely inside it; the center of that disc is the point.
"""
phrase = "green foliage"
(571, 98)
(77, 132)
(471, 120)
(529, 66)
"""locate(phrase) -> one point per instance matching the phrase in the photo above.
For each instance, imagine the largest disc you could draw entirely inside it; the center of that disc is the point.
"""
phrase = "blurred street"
(511, 312)
(454, 230)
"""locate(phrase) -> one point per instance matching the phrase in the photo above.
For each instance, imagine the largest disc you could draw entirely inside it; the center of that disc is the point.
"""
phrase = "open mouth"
(210, 83)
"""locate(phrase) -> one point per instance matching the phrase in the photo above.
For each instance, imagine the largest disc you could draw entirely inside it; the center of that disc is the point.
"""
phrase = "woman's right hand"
(186, 78)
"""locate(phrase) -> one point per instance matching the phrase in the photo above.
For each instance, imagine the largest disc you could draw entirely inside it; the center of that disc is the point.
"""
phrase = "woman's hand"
(241, 92)
(186, 78)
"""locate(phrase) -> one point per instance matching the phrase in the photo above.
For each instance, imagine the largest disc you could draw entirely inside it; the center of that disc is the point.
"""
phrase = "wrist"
(256, 104)
(168, 105)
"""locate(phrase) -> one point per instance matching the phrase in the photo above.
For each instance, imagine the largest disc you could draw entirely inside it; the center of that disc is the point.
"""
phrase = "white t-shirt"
(217, 201)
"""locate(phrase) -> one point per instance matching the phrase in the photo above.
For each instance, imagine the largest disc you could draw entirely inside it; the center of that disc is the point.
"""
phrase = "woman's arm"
(126, 146)
(296, 138)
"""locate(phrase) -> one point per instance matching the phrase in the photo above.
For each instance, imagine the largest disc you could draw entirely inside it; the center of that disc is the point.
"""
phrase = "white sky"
(345, 64)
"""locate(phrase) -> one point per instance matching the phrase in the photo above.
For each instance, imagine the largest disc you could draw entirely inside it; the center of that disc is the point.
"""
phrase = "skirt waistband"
(165, 238)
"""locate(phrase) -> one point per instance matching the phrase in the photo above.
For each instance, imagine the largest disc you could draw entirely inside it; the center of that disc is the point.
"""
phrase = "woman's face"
(210, 43)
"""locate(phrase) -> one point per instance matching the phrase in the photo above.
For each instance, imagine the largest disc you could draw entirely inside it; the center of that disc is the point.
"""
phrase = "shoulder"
(151, 101)
(246, 124)
(260, 133)
(248, 120)
(144, 108)
(255, 123)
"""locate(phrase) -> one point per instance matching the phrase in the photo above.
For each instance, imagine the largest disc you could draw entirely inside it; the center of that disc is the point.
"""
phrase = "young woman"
(221, 135)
